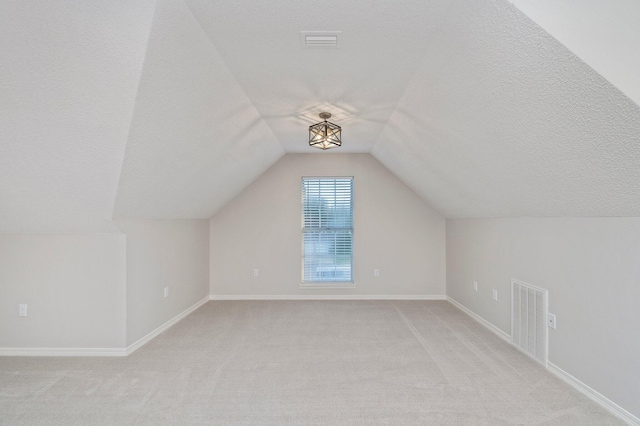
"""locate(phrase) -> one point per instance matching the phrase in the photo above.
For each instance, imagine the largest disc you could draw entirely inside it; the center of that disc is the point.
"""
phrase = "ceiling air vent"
(319, 39)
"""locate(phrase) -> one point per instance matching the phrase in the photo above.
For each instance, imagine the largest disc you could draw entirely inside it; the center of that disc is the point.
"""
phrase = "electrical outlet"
(376, 272)
(22, 310)
(495, 294)
(475, 285)
(551, 320)
(256, 272)
(166, 292)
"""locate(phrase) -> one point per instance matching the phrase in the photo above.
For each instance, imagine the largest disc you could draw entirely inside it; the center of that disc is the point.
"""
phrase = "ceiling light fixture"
(325, 135)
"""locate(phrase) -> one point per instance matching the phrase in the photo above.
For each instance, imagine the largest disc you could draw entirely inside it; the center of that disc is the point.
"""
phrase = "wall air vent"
(529, 320)
(319, 39)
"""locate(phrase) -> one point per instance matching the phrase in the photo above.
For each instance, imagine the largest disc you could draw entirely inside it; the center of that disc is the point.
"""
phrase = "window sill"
(332, 285)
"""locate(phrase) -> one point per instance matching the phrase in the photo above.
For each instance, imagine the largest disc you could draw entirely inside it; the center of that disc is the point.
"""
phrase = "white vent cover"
(529, 320)
(319, 39)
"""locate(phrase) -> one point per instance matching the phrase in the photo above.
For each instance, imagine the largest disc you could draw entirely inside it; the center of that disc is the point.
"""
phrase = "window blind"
(327, 237)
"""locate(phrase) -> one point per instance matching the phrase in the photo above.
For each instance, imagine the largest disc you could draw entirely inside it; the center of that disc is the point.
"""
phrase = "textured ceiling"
(502, 120)
(381, 45)
(604, 34)
(196, 140)
(68, 80)
(169, 109)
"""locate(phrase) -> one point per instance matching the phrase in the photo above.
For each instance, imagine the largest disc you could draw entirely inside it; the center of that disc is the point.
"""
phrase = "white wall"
(394, 231)
(73, 285)
(163, 253)
(591, 267)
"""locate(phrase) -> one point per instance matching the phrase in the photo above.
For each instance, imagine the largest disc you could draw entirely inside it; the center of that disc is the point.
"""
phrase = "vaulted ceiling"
(170, 108)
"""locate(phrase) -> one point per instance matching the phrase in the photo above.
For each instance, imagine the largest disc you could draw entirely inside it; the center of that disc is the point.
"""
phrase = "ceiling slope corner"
(133, 109)
(69, 74)
(503, 121)
(605, 35)
(217, 52)
(240, 189)
(196, 138)
(396, 167)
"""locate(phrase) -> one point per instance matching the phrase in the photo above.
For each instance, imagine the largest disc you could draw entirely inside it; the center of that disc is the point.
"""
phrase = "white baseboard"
(594, 395)
(62, 352)
(101, 351)
(487, 324)
(327, 297)
(144, 340)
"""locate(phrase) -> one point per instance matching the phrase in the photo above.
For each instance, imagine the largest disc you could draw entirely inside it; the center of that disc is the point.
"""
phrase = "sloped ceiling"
(381, 45)
(502, 120)
(196, 140)
(169, 109)
(68, 78)
(604, 34)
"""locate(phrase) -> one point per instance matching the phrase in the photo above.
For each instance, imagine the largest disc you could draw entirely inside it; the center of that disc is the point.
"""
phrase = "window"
(327, 234)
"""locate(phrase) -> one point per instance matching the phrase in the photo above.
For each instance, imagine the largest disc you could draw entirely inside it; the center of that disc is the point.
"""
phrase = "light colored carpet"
(301, 363)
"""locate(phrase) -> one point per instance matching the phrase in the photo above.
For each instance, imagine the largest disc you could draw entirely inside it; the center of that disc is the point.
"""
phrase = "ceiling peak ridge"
(133, 112)
(244, 91)
(445, 18)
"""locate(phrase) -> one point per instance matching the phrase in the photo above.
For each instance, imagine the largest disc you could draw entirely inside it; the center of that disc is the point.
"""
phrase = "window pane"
(328, 229)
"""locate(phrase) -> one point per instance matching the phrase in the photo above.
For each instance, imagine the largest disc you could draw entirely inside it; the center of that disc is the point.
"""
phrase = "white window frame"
(329, 283)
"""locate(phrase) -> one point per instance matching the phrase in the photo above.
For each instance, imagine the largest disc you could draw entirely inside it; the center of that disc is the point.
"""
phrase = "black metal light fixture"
(325, 135)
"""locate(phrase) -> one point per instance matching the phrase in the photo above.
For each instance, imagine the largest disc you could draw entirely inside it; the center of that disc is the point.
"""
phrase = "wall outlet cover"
(551, 321)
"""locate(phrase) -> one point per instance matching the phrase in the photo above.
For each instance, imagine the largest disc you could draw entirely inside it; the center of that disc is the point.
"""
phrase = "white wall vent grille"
(319, 39)
(529, 319)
